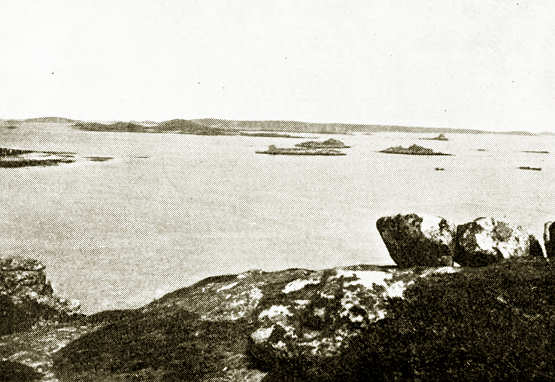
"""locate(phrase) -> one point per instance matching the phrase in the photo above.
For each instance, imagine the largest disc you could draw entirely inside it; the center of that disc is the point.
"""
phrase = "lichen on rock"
(486, 241)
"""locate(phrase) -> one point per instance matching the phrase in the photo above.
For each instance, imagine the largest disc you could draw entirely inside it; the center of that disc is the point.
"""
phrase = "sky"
(482, 64)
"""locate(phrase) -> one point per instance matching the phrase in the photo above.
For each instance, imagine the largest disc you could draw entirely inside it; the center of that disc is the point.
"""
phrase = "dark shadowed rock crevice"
(549, 239)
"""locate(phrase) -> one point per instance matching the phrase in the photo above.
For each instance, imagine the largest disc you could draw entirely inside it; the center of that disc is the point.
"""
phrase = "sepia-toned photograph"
(277, 190)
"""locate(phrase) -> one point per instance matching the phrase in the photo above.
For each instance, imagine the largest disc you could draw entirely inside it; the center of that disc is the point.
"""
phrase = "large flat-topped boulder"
(487, 240)
(549, 239)
(417, 240)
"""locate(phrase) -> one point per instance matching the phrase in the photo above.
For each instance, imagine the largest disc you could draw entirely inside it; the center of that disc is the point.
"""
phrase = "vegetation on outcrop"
(153, 346)
(491, 323)
(488, 323)
(17, 372)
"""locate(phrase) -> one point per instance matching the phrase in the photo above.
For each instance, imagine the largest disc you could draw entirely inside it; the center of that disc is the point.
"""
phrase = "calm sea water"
(117, 234)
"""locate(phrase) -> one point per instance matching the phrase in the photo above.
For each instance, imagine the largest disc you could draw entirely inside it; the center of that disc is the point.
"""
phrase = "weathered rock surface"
(229, 322)
(252, 326)
(313, 316)
(487, 240)
(549, 239)
(26, 297)
(418, 240)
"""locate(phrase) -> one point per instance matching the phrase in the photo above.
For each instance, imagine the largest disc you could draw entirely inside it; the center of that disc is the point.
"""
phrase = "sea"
(170, 209)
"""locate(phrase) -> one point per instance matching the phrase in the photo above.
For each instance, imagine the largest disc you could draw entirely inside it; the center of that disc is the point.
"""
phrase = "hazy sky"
(486, 64)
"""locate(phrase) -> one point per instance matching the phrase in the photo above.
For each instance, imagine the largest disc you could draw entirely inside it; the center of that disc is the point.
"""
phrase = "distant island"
(49, 120)
(215, 126)
(329, 144)
(13, 158)
(17, 158)
(440, 137)
(412, 150)
(273, 150)
(338, 128)
(530, 168)
(179, 126)
(269, 135)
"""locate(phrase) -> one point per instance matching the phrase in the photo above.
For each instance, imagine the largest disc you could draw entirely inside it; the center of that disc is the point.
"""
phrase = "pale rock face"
(226, 287)
(296, 285)
(487, 240)
(276, 312)
(338, 307)
(262, 334)
(418, 240)
(549, 239)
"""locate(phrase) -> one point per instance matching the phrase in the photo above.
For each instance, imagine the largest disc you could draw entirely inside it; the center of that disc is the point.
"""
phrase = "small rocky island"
(440, 137)
(268, 135)
(16, 158)
(273, 150)
(329, 148)
(412, 150)
(13, 158)
(530, 168)
(329, 144)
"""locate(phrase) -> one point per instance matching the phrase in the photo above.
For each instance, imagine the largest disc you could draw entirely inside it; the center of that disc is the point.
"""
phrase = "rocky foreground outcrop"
(255, 321)
(26, 297)
(355, 323)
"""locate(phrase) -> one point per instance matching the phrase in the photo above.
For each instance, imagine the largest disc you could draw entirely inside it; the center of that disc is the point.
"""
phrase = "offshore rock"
(549, 239)
(487, 240)
(26, 297)
(418, 240)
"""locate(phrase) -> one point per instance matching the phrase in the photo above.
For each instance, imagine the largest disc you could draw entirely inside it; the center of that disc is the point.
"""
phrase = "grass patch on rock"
(152, 346)
(17, 372)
